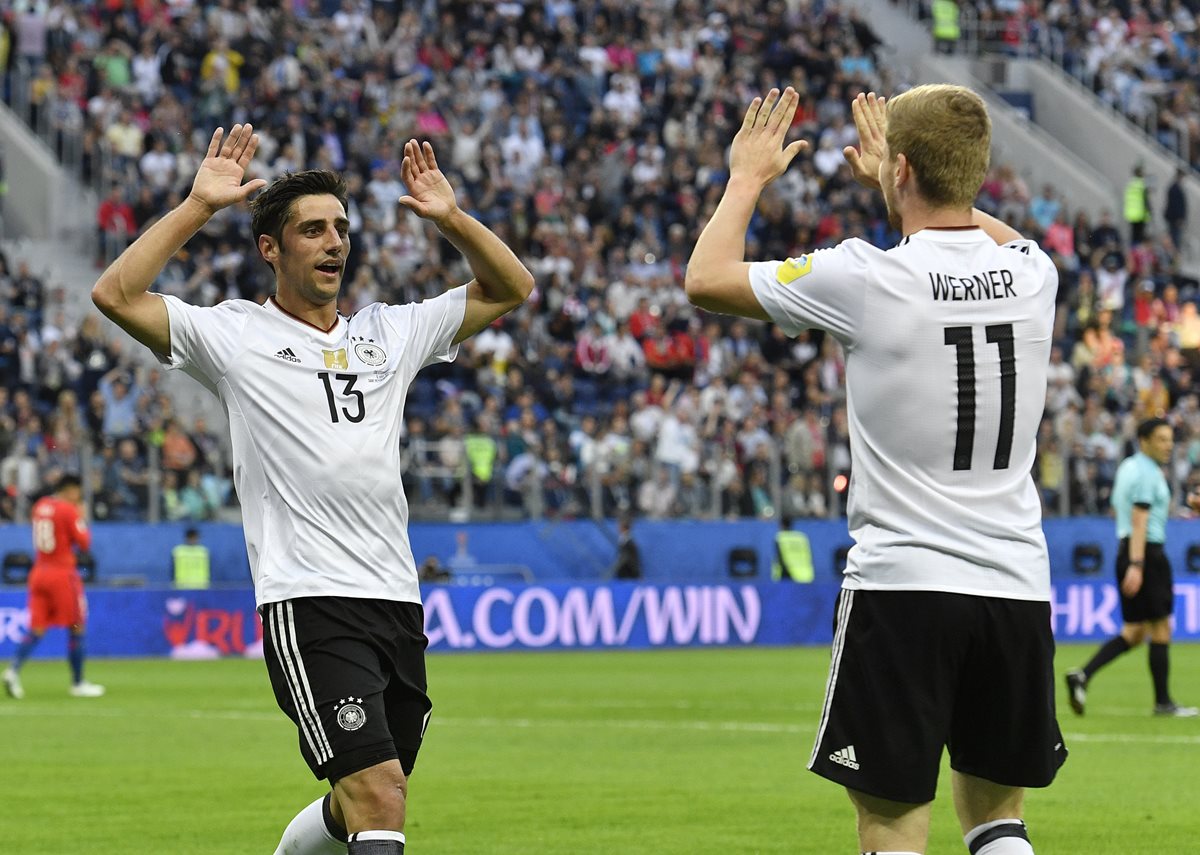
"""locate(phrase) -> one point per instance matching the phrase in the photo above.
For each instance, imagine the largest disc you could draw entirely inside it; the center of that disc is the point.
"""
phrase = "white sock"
(1001, 837)
(308, 834)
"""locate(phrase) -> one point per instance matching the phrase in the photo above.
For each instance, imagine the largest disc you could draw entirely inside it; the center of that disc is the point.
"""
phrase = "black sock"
(1160, 666)
(376, 843)
(331, 824)
(1112, 648)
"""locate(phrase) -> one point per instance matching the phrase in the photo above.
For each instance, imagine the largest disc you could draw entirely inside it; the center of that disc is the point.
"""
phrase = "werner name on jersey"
(928, 508)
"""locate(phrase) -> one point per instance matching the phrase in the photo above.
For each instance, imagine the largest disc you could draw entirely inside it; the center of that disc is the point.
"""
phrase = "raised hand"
(758, 153)
(870, 118)
(218, 182)
(430, 195)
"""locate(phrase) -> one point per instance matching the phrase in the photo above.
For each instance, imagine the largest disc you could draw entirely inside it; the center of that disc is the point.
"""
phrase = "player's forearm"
(135, 270)
(997, 230)
(721, 248)
(1137, 535)
(501, 275)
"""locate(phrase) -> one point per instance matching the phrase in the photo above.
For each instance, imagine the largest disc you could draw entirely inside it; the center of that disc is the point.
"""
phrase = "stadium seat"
(15, 569)
(743, 562)
(1086, 559)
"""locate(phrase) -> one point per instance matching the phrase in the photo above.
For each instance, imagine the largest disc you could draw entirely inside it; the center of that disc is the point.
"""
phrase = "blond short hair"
(946, 135)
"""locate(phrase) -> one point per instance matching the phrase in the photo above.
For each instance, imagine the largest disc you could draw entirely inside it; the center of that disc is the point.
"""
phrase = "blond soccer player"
(943, 636)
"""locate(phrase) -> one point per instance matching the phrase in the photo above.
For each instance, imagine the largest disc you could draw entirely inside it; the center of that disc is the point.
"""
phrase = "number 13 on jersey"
(963, 341)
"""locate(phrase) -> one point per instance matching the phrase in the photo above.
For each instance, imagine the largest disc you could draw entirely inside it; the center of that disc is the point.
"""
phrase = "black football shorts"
(913, 672)
(351, 674)
(1156, 598)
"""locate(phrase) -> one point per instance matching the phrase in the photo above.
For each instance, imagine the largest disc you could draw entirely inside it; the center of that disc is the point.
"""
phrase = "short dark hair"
(1149, 426)
(66, 481)
(191, 532)
(272, 208)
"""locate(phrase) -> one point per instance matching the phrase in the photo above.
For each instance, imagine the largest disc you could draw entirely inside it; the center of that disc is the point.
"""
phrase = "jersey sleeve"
(820, 290)
(1044, 262)
(204, 340)
(81, 536)
(1143, 489)
(429, 327)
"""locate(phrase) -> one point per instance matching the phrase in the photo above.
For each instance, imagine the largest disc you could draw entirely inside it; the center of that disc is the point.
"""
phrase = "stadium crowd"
(1141, 57)
(591, 136)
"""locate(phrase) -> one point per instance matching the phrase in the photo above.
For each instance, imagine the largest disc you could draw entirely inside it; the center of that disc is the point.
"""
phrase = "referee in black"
(1141, 499)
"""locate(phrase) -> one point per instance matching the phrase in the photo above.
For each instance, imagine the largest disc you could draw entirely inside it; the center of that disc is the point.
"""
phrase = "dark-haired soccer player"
(55, 589)
(943, 622)
(315, 410)
(1141, 500)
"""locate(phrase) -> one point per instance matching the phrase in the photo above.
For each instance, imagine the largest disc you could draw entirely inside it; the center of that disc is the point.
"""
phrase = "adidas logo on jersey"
(845, 757)
(287, 354)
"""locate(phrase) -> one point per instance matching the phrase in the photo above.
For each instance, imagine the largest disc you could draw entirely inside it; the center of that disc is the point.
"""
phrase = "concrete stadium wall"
(39, 204)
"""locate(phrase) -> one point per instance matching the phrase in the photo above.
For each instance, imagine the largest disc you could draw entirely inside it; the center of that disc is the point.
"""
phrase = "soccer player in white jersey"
(315, 407)
(942, 633)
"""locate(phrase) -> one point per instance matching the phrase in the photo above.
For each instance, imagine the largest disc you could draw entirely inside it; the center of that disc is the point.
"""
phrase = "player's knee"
(374, 797)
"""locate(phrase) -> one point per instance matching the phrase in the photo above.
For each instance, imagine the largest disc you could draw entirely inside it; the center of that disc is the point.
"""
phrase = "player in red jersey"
(55, 589)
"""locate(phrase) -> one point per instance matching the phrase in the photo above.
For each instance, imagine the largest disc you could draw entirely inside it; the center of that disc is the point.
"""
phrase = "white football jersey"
(315, 420)
(947, 341)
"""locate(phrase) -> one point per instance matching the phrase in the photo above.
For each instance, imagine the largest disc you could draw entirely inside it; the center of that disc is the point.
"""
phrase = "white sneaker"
(12, 684)
(1174, 710)
(86, 690)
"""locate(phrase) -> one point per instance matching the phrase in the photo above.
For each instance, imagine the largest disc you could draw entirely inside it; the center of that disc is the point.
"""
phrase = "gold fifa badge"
(336, 358)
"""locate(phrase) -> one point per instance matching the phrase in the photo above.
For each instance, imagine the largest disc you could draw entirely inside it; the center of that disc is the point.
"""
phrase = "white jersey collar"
(274, 307)
(956, 234)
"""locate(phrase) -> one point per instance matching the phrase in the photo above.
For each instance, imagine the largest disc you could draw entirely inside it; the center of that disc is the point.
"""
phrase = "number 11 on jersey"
(962, 340)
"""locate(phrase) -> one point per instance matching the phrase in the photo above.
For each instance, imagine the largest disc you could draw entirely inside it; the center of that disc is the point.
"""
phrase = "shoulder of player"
(852, 252)
(1029, 248)
(237, 306)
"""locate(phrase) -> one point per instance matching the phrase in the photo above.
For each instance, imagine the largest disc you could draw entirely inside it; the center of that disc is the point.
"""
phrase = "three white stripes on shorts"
(283, 636)
(845, 604)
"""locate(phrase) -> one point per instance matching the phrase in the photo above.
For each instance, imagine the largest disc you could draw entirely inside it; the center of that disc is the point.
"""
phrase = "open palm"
(218, 181)
(430, 195)
(758, 151)
(870, 118)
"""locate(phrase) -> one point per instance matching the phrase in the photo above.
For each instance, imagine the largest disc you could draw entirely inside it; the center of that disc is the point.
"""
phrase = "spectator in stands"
(1137, 206)
(116, 225)
(1175, 210)
(121, 396)
(126, 483)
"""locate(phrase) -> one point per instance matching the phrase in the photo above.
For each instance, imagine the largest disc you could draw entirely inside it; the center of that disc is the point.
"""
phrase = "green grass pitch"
(690, 751)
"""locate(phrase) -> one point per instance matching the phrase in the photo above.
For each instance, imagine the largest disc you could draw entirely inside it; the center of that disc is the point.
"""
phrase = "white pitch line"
(627, 724)
(710, 706)
(1142, 738)
(721, 726)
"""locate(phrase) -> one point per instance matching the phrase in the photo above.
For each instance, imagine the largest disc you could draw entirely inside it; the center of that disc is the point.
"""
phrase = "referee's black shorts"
(914, 672)
(1156, 598)
(351, 674)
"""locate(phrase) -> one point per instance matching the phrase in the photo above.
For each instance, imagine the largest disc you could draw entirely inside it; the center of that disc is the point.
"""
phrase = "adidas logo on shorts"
(845, 757)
